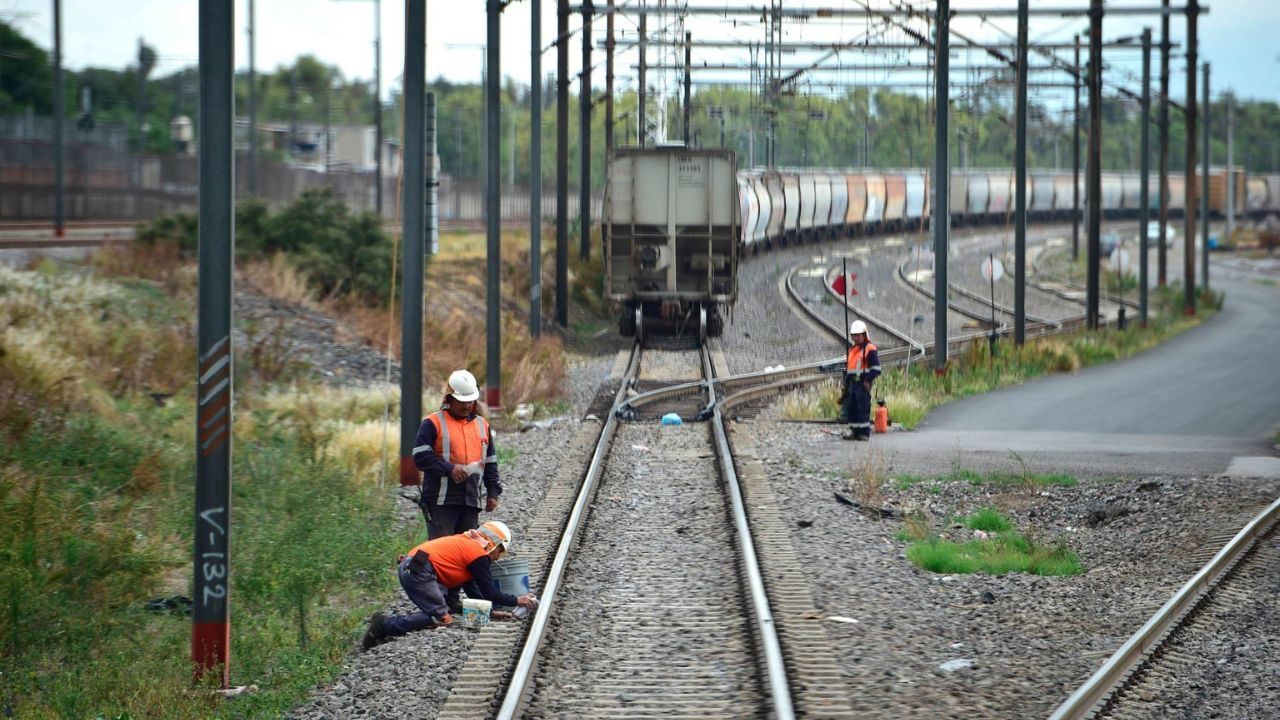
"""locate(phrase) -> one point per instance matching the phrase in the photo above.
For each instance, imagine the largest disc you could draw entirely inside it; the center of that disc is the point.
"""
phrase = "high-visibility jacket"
(450, 556)
(445, 441)
(863, 362)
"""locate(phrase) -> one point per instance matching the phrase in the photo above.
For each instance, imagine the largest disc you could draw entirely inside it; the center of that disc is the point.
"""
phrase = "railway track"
(659, 599)
(978, 307)
(1161, 656)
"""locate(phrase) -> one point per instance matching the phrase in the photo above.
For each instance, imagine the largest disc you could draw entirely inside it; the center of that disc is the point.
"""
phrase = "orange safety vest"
(857, 363)
(460, 442)
(450, 556)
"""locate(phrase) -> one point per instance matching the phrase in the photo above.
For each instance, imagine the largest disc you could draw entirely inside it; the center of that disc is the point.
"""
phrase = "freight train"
(677, 220)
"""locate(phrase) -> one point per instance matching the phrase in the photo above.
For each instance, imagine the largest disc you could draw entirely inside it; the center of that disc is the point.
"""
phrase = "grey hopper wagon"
(672, 221)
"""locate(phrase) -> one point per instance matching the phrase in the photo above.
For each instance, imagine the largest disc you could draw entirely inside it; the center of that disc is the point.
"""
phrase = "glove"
(490, 504)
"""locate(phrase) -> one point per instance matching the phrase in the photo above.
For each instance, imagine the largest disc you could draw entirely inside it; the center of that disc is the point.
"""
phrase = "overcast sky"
(1238, 37)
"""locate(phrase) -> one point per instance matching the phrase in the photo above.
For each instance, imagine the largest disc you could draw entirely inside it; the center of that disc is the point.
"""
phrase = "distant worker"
(861, 371)
(455, 452)
(436, 567)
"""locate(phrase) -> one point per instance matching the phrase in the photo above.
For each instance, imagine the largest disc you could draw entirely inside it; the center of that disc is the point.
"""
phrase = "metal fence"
(103, 181)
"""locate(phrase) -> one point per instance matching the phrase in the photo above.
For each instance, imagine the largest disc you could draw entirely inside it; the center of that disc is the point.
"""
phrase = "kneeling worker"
(861, 371)
(438, 566)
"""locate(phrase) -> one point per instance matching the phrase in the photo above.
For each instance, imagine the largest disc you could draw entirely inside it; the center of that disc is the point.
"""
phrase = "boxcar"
(875, 200)
(857, 213)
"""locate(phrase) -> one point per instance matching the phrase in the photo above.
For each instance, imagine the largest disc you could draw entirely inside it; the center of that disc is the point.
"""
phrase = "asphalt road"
(1206, 402)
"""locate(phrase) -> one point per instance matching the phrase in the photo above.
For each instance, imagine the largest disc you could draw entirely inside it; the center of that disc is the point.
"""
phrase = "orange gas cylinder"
(882, 418)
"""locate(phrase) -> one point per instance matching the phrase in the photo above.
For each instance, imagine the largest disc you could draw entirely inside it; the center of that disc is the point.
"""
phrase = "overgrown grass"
(911, 395)
(96, 466)
(902, 481)
(1003, 550)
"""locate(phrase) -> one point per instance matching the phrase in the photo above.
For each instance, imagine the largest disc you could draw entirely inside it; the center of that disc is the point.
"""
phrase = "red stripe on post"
(493, 398)
(408, 472)
(210, 648)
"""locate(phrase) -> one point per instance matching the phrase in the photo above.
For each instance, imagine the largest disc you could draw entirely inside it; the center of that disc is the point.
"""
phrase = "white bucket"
(475, 613)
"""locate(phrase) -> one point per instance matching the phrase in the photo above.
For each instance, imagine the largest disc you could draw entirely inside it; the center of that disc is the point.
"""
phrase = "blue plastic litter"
(672, 419)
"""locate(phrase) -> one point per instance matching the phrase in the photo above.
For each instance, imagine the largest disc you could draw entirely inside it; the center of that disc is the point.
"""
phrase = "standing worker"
(861, 371)
(446, 564)
(455, 452)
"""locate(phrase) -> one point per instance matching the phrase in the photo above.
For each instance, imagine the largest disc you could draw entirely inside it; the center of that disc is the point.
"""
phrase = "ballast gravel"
(1029, 641)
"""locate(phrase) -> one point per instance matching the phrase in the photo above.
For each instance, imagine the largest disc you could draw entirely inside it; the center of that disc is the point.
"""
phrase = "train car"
(1000, 194)
(1273, 193)
(958, 198)
(895, 200)
(839, 204)
(808, 203)
(875, 202)
(1130, 194)
(791, 198)
(1040, 203)
(1255, 197)
(821, 206)
(975, 208)
(1112, 194)
(1177, 193)
(1062, 196)
(759, 232)
(673, 219)
(775, 229)
(855, 217)
(750, 209)
(917, 199)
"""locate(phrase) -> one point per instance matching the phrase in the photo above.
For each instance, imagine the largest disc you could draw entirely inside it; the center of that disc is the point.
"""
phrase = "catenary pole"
(1020, 192)
(688, 84)
(1204, 185)
(377, 105)
(608, 82)
(941, 177)
(1231, 166)
(584, 137)
(1144, 204)
(1162, 255)
(493, 208)
(535, 169)
(211, 615)
(253, 106)
(643, 89)
(1075, 171)
(1093, 201)
(411, 201)
(431, 225)
(562, 163)
(59, 163)
(1189, 203)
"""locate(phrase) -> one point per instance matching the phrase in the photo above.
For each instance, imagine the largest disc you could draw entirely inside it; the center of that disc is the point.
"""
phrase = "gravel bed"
(650, 612)
(670, 365)
(1226, 663)
(1027, 641)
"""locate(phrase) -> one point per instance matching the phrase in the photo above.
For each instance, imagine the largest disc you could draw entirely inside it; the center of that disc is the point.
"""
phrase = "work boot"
(374, 633)
(862, 438)
(849, 435)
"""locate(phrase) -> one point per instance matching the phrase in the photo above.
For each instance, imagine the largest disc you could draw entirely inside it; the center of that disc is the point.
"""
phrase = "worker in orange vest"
(455, 452)
(433, 568)
(861, 371)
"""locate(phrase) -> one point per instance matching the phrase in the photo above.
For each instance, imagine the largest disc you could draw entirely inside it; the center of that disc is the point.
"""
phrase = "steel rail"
(1037, 324)
(1120, 665)
(775, 665)
(523, 672)
(840, 333)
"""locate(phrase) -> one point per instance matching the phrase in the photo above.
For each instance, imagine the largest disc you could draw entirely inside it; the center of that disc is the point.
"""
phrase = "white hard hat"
(857, 328)
(462, 386)
(497, 532)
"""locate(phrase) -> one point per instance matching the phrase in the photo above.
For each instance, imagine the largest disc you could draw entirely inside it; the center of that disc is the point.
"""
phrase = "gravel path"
(1028, 640)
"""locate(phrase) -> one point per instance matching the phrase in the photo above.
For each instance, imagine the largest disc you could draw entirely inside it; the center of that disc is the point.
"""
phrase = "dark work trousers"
(426, 592)
(445, 520)
(857, 407)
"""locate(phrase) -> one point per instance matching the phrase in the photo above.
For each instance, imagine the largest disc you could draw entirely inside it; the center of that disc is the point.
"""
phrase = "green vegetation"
(96, 459)
(996, 550)
(997, 479)
(911, 395)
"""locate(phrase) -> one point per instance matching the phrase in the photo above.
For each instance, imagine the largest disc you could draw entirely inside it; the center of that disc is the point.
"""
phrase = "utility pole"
(562, 163)
(584, 136)
(1020, 192)
(493, 208)
(535, 169)
(1144, 204)
(1075, 175)
(941, 178)
(59, 169)
(215, 377)
(644, 90)
(1162, 260)
(411, 194)
(1204, 182)
(688, 83)
(253, 108)
(1094, 165)
(1189, 214)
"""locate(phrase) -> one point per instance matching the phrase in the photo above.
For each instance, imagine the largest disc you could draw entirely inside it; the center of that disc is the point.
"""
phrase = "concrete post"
(59, 164)
(1020, 192)
(1162, 255)
(1204, 182)
(1094, 165)
(562, 163)
(1189, 215)
(1144, 209)
(1075, 173)
(412, 190)
(584, 136)
(535, 170)
(493, 208)
(941, 183)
